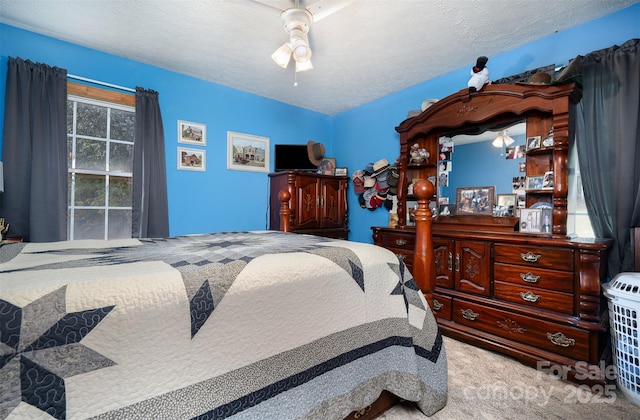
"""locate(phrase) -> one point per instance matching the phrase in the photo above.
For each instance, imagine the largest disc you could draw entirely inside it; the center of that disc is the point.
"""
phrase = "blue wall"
(219, 199)
(215, 200)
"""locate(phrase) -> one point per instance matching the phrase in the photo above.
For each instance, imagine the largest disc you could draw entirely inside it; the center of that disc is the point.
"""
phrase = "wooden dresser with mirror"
(534, 296)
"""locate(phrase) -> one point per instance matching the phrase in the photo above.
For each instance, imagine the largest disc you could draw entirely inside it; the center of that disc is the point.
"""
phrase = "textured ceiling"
(363, 52)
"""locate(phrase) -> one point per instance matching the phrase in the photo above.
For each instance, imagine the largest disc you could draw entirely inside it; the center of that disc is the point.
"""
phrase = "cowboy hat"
(315, 152)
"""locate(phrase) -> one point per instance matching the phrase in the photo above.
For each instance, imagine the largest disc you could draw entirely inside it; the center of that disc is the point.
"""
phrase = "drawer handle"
(450, 262)
(468, 314)
(437, 305)
(529, 296)
(401, 257)
(530, 257)
(457, 263)
(401, 242)
(529, 277)
(561, 340)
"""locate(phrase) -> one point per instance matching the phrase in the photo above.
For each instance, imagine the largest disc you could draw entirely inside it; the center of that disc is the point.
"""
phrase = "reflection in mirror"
(482, 159)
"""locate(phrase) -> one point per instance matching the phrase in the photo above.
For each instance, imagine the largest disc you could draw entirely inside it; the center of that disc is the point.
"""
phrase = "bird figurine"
(479, 75)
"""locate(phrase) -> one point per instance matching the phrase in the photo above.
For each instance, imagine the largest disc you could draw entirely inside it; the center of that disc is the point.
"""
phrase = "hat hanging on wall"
(538, 79)
(315, 151)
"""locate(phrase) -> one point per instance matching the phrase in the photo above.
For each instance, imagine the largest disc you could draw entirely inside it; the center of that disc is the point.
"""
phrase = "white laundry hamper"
(623, 293)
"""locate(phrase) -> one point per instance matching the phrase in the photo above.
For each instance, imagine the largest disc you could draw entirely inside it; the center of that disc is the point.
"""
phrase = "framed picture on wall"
(192, 133)
(246, 152)
(192, 159)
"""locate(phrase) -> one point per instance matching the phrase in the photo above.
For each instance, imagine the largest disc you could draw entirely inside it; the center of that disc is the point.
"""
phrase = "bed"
(242, 325)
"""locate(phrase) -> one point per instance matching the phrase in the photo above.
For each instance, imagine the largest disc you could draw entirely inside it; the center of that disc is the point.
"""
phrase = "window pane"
(119, 192)
(91, 120)
(69, 117)
(91, 154)
(583, 226)
(122, 124)
(88, 224)
(119, 224)
(581, 205)
(120, 157)
(90, 190)
(69, 152)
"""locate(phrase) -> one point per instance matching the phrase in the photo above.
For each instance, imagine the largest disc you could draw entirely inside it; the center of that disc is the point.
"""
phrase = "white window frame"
(107, 173)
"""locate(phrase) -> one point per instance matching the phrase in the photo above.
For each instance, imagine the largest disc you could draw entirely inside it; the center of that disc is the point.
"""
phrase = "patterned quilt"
(247, 325)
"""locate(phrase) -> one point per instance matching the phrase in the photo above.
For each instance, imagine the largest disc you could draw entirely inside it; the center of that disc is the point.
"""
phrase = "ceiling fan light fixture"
(282, 55)
(502, 139)
(303, 66)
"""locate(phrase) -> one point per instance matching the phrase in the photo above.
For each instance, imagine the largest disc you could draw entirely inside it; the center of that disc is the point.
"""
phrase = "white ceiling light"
(503, 139)
(296, 24)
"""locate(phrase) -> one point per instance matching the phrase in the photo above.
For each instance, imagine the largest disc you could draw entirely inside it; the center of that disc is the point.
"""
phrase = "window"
(100, 128)
(578, 222)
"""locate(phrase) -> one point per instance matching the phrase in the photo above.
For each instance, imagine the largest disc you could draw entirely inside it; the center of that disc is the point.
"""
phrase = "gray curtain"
(34, 151)
(608, 146)
(150, 208)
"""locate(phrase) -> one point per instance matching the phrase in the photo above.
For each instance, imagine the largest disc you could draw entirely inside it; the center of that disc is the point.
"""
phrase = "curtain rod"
(98, 82)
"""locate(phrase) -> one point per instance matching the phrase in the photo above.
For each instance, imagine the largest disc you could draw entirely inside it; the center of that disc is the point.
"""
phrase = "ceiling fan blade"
(323, 8)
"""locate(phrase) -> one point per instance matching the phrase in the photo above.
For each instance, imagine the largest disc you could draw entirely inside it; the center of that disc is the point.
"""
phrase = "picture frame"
(475, 200)
(447, 210)
(547, 180)
(246, 152)
(507, 200)
(530, 220)
(546, 225)
(192, 133)
(341, 171)
(192, 159)
(534, 182)
(328, 166)
(533, 143)
(411, 208)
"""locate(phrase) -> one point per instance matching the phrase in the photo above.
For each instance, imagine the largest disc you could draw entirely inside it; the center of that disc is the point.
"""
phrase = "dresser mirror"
(484, 159)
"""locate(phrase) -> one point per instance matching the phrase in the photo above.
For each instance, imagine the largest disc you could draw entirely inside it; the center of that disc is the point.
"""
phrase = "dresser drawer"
(442, 306)
(544, 257)
(392, 240)
(534, 297)
(560, 339)
(560, 281)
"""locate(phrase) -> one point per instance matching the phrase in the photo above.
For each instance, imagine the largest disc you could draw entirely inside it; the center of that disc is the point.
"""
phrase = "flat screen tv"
(292, 157)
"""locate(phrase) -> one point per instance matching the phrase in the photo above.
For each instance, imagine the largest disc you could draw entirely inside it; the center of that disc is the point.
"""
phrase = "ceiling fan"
(297, 21)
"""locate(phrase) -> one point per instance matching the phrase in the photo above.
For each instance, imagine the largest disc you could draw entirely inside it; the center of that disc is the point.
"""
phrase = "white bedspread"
(249, 325)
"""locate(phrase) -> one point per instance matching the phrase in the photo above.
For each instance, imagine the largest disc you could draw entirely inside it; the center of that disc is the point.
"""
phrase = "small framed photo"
(533, 143)
(341, 171)
(547, 221)
(328, 166)
(247, 153)
(192, 133)
(522, 166)
(507, 200)
(547, 181)
(475, 200)
(531, 220)
(411, 208)
(192, 159)
(534, 182)
(447, 210)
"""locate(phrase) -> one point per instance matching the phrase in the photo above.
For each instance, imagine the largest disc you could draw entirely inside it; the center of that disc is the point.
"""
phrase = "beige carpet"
(487, 385)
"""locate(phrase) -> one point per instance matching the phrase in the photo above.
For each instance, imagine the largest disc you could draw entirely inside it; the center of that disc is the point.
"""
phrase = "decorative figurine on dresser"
(536, 297)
